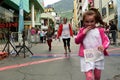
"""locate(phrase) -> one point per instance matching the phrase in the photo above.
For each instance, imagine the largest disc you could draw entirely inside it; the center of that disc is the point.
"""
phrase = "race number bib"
(93, 55)
(65, 33)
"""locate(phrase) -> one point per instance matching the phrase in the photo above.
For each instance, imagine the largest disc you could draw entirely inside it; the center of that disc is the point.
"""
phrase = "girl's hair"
(98, 16)
(89, 13)
(65, 18)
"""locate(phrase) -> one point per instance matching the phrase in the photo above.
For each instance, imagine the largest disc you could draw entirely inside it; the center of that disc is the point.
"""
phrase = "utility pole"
(100, 6)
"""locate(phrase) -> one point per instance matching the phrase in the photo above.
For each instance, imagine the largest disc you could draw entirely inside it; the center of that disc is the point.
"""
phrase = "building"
(108, 9)
(48, 18)
(32, 19)
(77, 17)
(9, 12)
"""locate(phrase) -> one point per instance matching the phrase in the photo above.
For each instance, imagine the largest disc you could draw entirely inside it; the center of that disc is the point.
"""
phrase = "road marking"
(29, 63)
(38, 62)
(114, 54)
(113, 49)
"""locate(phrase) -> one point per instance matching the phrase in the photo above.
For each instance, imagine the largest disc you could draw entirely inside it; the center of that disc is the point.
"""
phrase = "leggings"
(49, 42)
(90, 75)
(66, 42)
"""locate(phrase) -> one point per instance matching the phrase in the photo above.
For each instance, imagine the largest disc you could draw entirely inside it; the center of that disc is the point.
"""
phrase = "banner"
(118, 11)
(91, 3)
(8, 25)
(21, 18)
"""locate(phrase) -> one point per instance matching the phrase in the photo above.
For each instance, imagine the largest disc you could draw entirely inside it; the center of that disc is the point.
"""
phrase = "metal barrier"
(23, 45)
(3, 40)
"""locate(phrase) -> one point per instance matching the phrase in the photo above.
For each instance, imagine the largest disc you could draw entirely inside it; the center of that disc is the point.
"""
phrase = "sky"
(48, 2)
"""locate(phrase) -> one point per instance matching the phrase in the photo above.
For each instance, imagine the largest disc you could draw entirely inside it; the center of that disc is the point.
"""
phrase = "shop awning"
(15, 4)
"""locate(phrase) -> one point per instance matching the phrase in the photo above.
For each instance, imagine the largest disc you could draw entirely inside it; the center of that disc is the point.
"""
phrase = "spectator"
(113, 30)
(33, 31)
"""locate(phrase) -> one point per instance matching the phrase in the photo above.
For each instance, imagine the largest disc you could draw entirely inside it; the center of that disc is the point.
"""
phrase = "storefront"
(9, 14)
(47, 20)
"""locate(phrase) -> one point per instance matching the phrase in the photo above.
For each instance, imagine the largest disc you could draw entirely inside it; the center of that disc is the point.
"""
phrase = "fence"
(3, 40)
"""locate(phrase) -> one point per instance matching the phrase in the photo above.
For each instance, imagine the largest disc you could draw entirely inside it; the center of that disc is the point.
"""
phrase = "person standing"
(41, 36)
(92, 37)
(65, 31)
(33, 31)
(32, 35)
(113, 30)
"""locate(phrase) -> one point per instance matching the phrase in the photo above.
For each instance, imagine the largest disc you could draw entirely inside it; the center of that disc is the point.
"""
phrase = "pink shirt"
(33, 31)
(80, 38)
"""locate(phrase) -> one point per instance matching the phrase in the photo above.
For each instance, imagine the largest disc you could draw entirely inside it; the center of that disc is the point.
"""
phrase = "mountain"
(63, 5)
(64, 8)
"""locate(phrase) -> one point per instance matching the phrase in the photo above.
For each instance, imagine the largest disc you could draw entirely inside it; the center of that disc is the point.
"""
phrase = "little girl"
(89, 37)
(49, 35)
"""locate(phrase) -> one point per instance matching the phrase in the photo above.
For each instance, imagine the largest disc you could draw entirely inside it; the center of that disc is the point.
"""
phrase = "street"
(45, 65)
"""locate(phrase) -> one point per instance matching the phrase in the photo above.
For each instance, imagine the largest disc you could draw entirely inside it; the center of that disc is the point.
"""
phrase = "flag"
(118, 11)
(21, 18)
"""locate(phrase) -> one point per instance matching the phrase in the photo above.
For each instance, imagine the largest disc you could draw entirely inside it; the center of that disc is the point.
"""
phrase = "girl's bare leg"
(89, 75)
(97, 74)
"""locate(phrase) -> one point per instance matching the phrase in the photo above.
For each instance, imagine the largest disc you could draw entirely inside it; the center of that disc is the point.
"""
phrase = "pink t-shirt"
(33, 31)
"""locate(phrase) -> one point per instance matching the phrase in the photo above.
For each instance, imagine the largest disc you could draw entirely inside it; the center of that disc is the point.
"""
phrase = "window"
(104, 11)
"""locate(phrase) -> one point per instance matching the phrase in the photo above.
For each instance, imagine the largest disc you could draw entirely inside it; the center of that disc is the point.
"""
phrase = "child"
(89, 37)
(49, 35)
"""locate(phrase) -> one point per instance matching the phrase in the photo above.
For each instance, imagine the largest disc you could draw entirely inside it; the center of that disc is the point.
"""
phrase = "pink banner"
(91, 3)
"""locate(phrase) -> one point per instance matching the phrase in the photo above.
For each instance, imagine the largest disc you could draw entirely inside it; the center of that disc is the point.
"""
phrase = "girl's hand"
(101, 48)
(88, 28)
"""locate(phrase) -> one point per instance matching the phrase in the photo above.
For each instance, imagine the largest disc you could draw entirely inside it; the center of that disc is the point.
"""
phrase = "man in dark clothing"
(113, 30)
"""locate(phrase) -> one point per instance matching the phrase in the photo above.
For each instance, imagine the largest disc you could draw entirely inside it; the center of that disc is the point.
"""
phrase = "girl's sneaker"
(68, 55)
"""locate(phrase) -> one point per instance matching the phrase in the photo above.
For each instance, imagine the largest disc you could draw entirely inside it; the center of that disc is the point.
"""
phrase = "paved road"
(43, 66)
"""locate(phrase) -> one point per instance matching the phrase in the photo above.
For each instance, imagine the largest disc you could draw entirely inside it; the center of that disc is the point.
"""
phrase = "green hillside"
(67, 14)
(64, 8)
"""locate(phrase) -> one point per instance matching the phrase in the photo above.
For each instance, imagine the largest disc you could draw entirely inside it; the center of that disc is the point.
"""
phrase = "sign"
(7, 25)
(91, 3)
(93, 55)
(49, 10)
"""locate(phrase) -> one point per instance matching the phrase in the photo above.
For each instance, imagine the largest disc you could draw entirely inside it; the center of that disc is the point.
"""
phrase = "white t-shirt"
(65, 31)
(92, 39)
